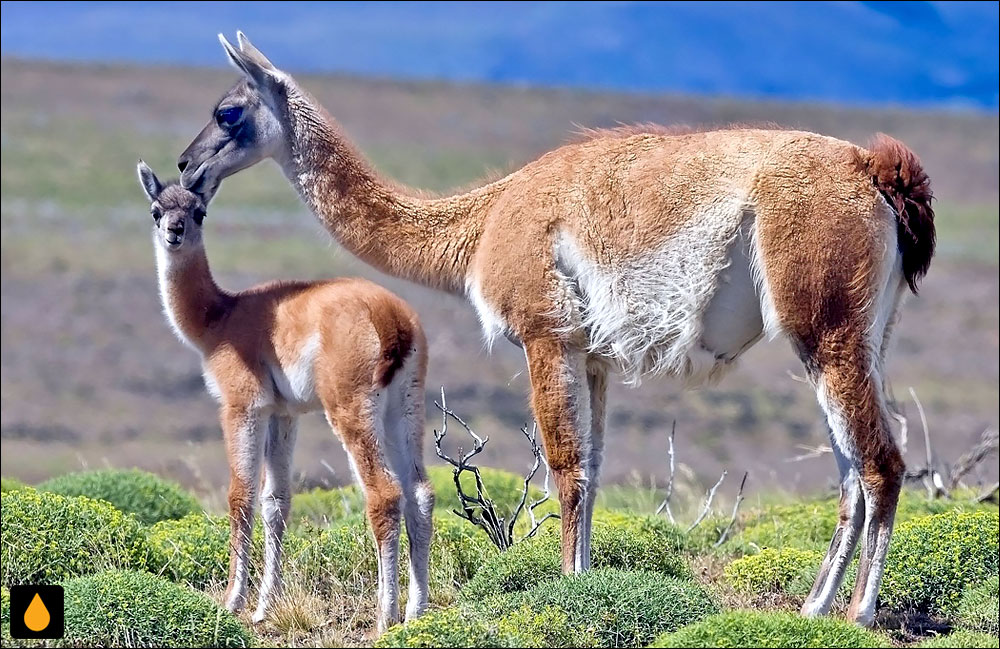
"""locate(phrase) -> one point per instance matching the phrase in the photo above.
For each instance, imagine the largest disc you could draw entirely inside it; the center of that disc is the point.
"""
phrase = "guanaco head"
(246, 124)
(177, 212)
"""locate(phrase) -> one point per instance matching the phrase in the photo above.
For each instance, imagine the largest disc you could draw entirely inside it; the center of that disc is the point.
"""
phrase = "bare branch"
(736, 507)
(897, 413)
(991, 495)
(923, 424)
(665, 505)
(709, 497)
(479, 509)
(988, 443)
(810, 452)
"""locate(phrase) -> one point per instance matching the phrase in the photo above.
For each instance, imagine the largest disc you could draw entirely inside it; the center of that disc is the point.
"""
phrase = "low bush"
(459, 627)
(545, 627)
(193, 550)
(5, 638)
(324, 506)
(466, 547)
(449, 627)
(933, 559)
(148, 497)
(978, 609)
(134, 609)
(787, 571)
(757, 629)
(803, 525)
(622, 608)
(809, 525)
(961, 640)
(45, 538)
(622, 542)
(11, 484)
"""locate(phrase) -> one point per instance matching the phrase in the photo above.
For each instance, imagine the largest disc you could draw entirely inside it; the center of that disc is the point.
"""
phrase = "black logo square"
(37, 612)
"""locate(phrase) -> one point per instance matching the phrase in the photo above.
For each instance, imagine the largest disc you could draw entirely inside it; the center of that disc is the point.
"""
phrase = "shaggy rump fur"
(896, 172)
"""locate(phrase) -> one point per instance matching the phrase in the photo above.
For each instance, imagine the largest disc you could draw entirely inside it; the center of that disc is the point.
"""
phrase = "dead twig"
(987, 445)
(479, 509)
(665, 505)
(991, 495)
(709, 497)
(736, 507)
(810, 452)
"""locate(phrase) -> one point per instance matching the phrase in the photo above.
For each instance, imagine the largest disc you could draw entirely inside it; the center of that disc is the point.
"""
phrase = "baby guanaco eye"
(228, 116)
(198, 216)
(157, 215)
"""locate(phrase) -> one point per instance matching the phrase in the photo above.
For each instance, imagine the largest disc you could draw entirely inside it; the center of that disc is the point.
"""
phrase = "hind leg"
(845, 535)
(361, 430)
(561, 402)
(418, 494)
(276, 501)
(597, 381)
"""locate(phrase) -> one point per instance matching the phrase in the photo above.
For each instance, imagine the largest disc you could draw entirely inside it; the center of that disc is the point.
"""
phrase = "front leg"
(560, 399)
(244, 429)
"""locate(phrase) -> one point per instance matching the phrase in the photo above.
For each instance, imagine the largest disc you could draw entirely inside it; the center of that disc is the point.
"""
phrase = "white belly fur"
(686, 310)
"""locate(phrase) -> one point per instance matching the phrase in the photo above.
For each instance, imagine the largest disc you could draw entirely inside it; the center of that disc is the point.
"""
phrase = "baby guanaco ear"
(150, 183)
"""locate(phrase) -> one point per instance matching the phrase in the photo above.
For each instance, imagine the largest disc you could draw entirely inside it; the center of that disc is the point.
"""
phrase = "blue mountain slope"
(924, 53)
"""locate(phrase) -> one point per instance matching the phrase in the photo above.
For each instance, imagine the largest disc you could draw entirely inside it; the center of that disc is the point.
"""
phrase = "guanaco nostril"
(181, 165)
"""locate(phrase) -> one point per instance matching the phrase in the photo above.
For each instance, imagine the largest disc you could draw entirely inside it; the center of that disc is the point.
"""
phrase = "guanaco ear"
(253, 53)
(150, 183)
(254, 65)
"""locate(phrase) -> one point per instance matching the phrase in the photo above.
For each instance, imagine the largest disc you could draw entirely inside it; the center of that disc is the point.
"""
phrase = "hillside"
(91, 374)
(916, 53)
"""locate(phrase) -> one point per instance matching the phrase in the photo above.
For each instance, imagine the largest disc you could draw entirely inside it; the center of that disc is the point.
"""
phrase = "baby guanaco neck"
(193, 302)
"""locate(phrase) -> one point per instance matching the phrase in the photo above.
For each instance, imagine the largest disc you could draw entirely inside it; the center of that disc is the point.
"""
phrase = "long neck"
(191, 299)
(430, 241)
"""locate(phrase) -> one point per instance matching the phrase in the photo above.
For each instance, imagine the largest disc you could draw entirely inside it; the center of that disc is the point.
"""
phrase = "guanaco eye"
(198, 216)
(157, 215)
(228, 116)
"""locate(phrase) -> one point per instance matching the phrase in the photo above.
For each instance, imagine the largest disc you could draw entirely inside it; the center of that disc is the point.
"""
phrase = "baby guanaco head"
(177, 212)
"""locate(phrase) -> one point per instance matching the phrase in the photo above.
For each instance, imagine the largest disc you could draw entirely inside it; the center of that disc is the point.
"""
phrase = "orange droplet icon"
(36, 617)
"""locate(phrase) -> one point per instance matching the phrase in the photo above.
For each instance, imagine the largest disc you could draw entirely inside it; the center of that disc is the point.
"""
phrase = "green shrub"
(622, 608)
(962, 639)
(809, 525)
(622, 541)
(193, 550)
(5, 638)
(125, 608)
(789, 570)
(343, 558)
(545, 627)
(46, 537)
(756, 629)
(11, 484)
(979, 607)
(802, 525)
(466, 547)
(932, 559)
(323, 506)
(450, 627)
(148, 497)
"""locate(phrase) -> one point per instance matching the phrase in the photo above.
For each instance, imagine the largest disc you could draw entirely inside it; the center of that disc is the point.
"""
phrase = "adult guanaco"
(642, 250)
(345, 347)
